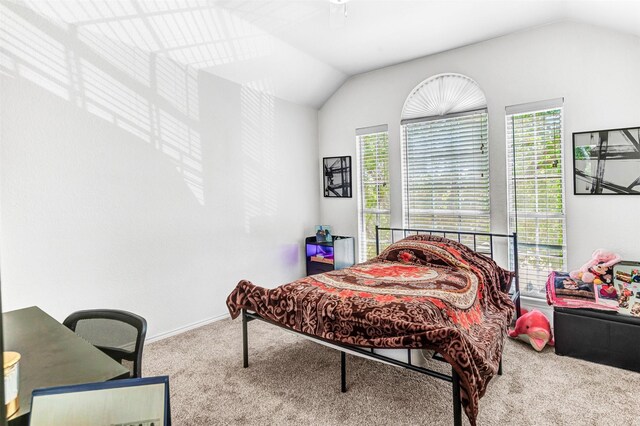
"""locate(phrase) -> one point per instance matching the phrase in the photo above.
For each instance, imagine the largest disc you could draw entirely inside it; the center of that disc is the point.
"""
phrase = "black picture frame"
(594, 150)
(336, 175)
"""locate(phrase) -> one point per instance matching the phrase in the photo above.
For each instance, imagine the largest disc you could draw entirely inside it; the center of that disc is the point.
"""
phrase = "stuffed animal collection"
(598, 270)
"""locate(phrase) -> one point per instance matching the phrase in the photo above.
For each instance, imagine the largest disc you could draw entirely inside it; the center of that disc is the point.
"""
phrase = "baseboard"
(185, 328)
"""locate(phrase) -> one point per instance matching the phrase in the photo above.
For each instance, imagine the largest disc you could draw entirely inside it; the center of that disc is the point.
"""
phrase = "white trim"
(535, 106)
(512, 195)
(372, 129)
(536, 302)
(382, 129)
(443, 117)
(185, 328)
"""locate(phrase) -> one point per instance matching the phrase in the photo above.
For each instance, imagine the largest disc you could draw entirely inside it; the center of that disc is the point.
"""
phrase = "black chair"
(119, 334)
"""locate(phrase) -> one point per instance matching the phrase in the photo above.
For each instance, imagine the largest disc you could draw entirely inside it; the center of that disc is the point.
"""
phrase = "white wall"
(595, 70)
(132, 182)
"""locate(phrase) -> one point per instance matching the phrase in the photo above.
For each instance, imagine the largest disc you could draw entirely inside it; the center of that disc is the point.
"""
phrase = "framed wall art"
(337, 176)
(607, 162)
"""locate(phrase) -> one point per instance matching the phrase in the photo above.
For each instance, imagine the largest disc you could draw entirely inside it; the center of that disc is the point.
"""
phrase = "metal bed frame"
(369, 353)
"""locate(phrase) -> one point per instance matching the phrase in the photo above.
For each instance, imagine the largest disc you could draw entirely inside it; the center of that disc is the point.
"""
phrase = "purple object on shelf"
(319, 250)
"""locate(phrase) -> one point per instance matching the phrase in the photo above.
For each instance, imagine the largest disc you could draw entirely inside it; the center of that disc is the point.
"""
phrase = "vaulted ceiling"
(302, 51)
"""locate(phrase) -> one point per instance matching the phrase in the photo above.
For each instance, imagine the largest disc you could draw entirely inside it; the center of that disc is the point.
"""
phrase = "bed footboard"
(454, 379)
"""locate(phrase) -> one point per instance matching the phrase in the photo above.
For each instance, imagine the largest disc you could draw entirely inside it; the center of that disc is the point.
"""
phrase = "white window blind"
(446, 172)
(374, 204)
(536, 191)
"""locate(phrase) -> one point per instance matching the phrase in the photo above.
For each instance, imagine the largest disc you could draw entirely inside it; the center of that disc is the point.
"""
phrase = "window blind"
(446, 173)
(374, 204)
(536, 193)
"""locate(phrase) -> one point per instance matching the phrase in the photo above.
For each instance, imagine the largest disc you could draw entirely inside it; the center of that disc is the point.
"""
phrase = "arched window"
(446, 155)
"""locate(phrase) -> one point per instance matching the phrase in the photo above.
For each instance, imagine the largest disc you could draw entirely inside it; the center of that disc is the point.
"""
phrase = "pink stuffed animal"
(534, 328)
(598, 269)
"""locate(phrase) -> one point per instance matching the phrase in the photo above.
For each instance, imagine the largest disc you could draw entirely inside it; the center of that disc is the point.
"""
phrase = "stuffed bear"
(534, 328)
(599, 269)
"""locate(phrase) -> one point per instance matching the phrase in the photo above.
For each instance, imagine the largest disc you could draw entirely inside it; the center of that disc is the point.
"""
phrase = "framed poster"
(337, 176)
(607, 162)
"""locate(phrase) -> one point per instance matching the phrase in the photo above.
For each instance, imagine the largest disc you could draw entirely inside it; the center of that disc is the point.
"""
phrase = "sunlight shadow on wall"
(193, 32)
(30, 53)
(259, 165)
(208, 37)
(135, 63)
(150, 97)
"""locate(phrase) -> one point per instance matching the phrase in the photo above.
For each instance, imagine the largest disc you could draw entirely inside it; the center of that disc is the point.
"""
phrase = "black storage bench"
(598, 336)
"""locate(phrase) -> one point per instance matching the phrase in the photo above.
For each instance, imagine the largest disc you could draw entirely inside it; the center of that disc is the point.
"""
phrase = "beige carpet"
(291, 380)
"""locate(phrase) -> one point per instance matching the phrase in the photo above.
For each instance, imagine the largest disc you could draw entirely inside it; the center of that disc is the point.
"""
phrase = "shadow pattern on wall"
(118, 61)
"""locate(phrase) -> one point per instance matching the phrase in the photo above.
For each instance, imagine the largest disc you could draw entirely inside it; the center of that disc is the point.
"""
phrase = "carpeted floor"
(291, 380)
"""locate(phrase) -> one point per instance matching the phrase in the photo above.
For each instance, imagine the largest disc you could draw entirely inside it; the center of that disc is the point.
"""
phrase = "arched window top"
(443, 94)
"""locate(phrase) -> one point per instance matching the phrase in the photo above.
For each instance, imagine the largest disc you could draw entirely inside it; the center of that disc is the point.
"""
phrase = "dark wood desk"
(52, 355)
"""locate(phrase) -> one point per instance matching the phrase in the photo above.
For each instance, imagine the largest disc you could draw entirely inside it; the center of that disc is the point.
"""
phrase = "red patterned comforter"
(421, 292)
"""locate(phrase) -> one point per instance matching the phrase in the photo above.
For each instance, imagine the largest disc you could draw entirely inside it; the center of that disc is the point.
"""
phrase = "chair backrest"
(118, 402)
(119, 334)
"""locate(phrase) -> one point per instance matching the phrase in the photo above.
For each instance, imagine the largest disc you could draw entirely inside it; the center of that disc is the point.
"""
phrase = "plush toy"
(599, 269)
(534, 328)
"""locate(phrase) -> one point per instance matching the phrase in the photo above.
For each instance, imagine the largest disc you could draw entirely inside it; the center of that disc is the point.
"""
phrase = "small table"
(52, 355)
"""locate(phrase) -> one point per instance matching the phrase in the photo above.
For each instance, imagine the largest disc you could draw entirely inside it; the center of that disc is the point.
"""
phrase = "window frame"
(511, 189)
(406, 215)
(363, 242)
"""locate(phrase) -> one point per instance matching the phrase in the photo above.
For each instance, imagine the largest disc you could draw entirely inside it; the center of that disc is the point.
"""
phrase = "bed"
(425, 291)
